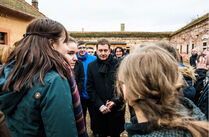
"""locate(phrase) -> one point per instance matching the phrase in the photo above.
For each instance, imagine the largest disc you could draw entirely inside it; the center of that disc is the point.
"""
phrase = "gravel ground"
(123, 134)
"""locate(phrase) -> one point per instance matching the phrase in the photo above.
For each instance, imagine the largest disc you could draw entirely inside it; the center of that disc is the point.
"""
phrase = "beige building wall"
(14, 26)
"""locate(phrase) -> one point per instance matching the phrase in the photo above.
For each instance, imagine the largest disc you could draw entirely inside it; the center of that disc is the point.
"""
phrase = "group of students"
(44, 92)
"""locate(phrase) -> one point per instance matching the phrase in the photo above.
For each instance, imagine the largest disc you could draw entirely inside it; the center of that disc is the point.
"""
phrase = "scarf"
(105, 65)
(78, 112)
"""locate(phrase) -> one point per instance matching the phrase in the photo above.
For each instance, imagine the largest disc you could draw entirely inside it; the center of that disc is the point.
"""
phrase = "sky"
(137, 15)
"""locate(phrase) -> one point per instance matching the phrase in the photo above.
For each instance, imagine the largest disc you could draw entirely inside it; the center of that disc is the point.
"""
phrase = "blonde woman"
(151, 83)
(5, 51)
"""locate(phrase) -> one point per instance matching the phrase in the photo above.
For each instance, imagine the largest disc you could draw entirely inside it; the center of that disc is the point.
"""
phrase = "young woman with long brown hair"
(38, 94)
(151, 83)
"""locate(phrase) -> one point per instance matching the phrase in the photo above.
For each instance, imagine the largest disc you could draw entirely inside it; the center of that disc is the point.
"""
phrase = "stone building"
(15, 15)
(193, 35)
(122, 39)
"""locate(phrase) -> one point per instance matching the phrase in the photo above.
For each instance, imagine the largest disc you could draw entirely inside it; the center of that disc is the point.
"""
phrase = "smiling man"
(109, 117)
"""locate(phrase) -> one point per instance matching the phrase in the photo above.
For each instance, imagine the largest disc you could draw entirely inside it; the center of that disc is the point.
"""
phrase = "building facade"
(15, 15)
(193, 35)
(122, 39)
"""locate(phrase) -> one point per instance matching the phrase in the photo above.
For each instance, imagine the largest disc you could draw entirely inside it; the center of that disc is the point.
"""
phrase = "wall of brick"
(193, 37)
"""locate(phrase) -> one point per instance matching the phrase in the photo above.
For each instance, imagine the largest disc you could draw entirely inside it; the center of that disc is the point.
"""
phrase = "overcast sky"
(138, 15)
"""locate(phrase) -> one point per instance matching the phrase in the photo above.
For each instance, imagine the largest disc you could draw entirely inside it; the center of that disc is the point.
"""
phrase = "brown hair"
(103, 42)
(90, 48)
(81, 43)
(169, 48)
(36, 54)
(122, 50)
(153, 83)
(71, 40)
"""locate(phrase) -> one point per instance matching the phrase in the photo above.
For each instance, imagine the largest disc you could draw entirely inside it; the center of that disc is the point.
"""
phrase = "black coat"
(193, 59)
(79, 75)
(101, 87)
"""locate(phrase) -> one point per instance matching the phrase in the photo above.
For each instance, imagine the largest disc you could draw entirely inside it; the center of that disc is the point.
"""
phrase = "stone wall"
(130, 41)
(192, 37)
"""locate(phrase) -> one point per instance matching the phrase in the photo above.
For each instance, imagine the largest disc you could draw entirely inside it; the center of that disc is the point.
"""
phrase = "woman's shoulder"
(166, 133)
(188, 108)
(53, 76)
(136, 129)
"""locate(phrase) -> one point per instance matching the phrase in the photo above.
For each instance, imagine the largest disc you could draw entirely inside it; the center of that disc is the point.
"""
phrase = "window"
(192, 46)
(2, 38)
(187, 49)
(204, 44)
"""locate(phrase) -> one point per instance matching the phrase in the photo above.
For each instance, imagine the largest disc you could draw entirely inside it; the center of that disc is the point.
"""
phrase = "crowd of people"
(49, 81)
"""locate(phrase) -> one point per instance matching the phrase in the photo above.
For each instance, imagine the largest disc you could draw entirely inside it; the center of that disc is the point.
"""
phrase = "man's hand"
(201, 63)
(109, 104)
(104, 109)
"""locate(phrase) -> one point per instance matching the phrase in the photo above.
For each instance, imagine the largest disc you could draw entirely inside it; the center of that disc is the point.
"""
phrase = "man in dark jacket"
(101, 89)
(193, 58)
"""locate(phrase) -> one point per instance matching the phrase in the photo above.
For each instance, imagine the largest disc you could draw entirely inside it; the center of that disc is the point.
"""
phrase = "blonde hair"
(153, 83)
(5, 51)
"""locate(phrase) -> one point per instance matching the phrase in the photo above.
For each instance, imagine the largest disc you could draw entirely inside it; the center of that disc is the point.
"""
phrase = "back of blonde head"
(153, 84)
(5, 51)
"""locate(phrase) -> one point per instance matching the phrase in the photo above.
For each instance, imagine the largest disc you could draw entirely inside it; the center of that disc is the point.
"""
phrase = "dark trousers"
(87, 104)
(110, 124)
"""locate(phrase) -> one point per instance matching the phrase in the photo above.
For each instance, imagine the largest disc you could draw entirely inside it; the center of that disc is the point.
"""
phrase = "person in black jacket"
(101, 88)
(193, 58)
(79, 75)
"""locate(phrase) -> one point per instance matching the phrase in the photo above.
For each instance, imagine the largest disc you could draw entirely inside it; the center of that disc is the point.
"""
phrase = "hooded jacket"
(41, 111)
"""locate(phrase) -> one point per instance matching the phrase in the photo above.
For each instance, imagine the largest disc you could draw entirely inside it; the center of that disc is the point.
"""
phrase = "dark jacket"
(4, 131)
(193, 59)
(199, 84)
(189, 90)
(79, 75)
(41, 111)
(136, 129)
(101, 87)
(203, 100)
(85, 60)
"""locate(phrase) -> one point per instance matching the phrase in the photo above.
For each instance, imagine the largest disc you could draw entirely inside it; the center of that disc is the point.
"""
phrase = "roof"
(191, 24)
(112, 43)
(120, 34)
(22, 7)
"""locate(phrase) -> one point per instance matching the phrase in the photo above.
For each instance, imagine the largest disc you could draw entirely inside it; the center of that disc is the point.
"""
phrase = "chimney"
(122, 27)
(35, 4)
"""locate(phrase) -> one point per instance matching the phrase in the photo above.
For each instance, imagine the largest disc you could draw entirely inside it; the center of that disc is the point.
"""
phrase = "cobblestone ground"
(124, 134)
